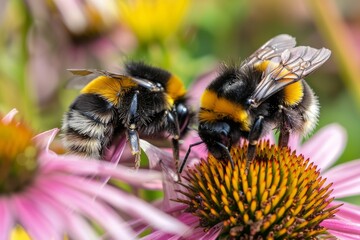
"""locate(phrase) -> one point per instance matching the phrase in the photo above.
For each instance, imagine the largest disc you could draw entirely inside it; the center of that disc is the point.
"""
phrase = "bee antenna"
(187, 154)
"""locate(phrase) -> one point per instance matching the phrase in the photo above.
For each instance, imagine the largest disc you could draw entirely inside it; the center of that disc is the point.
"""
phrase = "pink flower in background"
(51, 196)
(323, 149)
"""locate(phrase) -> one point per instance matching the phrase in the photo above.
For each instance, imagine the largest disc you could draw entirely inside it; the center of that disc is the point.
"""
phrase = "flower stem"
(332, 26)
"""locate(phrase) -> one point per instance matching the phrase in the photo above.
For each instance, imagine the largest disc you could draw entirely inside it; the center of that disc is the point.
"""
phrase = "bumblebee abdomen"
(109, 88)
(88, 126)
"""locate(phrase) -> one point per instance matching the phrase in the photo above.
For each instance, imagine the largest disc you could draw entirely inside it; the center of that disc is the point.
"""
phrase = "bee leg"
(175, 131)
(187, 154)
(132, 133)
(284, 128)
(284, 137)
(226, 151)
(133, 137)
(253, 139)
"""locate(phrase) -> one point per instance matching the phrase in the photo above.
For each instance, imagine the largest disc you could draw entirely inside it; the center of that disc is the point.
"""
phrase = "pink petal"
(116, 155)
(9, 117)
(343, 236)
(73, 225)
(343, 172)
(131, 204)
(170, 189)
(79, 228)
(212, 234)
(325, 147)
(347, 211)
(118, 151)
(80, 166)
(157, 155)
(88, 206)
(342, 228)
(294, 142)
(26, 212)
(7, 219)
(344, 177)
(44, 139)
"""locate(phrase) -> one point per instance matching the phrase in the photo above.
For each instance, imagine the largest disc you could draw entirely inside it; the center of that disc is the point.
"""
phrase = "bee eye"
(183, 116)
(250, 102)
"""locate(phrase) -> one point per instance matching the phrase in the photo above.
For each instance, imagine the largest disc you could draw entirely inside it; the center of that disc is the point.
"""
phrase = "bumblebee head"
(218, 137)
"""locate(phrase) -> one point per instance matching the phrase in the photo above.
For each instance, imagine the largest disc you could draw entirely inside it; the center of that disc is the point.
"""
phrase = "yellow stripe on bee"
(261, 66)
(214, 108)
(109, 88)
(174, 89)
(293, 93)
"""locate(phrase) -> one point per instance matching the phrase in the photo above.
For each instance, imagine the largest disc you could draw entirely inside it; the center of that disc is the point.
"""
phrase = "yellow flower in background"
(153, 19)
(18, 233)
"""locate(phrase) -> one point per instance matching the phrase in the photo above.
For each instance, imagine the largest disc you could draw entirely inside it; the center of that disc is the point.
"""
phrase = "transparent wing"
(84, 76)
(291, 66)
(270, 49)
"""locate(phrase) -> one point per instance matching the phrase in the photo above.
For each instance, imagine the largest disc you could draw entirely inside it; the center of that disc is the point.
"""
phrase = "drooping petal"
(325, 147)
(80, 228)
(27, 212)
(9, 117)
(133, 205)
(7, 219)
(120, 146)
(187, 219)
(75, 201)
(157, 155)
(79, 166)
(73, 225)
(44, 139)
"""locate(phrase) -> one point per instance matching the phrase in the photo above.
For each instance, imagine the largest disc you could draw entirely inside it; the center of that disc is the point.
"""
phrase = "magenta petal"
(7, 220)
(27, 211)
(88, 206)
(347, 211)
(325, 147)
(342, 228)
(120, 147)
(344, 177)
(343, 172)
(343, 236)
(131, 204)
(79, 166)
(9, 117)
(73, 225)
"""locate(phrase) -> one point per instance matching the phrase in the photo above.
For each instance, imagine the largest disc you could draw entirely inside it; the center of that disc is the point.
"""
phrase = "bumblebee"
(142, 101)
(266, 91)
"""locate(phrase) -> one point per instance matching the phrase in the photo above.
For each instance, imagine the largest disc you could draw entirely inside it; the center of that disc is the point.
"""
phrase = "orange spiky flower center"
(18, 157)
(280, 196)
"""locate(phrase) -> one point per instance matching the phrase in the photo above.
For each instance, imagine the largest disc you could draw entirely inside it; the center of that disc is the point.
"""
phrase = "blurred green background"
(39, 40)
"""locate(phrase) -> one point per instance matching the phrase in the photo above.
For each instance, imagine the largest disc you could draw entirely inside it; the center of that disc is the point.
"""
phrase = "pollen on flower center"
(282, 196)
(17, 157)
